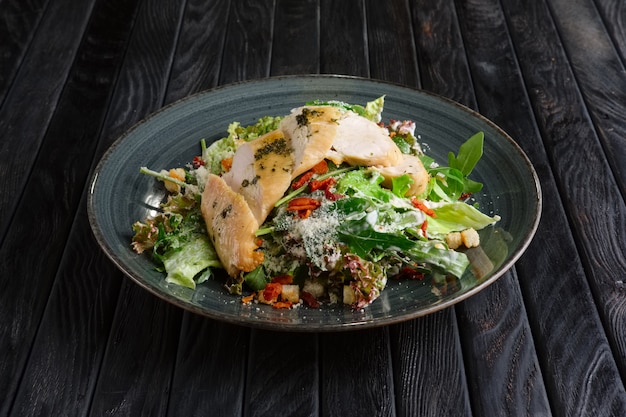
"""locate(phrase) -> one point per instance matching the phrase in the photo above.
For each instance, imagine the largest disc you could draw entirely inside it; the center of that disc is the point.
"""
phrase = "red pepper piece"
(418, 204)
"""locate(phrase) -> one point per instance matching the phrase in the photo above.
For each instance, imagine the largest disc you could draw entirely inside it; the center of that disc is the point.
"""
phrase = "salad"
(323, 205)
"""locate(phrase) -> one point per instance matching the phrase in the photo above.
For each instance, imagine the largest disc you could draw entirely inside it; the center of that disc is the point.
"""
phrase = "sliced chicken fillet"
(361, 142)
(410, 165)
(231, 226)
(312, 131)
(262, 171)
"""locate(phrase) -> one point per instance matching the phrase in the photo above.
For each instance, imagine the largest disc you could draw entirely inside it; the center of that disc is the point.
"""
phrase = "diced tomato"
(309, 299)
(283, 279)
(418, 204)
(272, 291)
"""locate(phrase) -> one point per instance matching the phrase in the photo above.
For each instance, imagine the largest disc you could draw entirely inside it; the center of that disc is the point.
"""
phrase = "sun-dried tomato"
(324, 184)
(418, 204)
(304, 206)
(409, 273)
(309, 299)
(320, 168)
(302, 180)
(283, 279)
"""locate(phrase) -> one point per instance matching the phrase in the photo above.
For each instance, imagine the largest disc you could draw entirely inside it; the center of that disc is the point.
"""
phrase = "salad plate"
(120, 195)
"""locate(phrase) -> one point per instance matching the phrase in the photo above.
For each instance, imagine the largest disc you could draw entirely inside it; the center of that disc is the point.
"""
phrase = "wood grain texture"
(436, 29)
(199, 49)
(52, 193)
(504, 377)
(247, 49)
(613, 14)
(143, 79)
(18, 23)
(343, 38)
(356, 374)
(550, 273)
(603, 242)
(66, 354)
(210, 369)
(429, 376)
(391, 42)
(141, 353)
(295, 47)
(282, 374)
(589, 47)
(564, 118)
(30, 103)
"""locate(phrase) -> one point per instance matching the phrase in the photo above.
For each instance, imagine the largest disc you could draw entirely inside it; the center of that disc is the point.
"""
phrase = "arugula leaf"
(256, 279)
(469, 154)
(361, 238)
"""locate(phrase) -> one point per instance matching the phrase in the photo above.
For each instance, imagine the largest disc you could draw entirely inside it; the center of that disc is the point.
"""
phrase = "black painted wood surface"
(79, 339)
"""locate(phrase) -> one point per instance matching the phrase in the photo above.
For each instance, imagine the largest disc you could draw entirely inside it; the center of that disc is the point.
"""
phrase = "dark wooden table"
(77, 338)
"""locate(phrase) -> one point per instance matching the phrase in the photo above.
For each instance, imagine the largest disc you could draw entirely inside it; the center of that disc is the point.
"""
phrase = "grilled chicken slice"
(359, 141)
(410, 165)
(312, 131)
(262, 171)
(231, 226)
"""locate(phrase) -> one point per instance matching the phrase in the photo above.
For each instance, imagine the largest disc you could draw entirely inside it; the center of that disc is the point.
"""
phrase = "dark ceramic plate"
(120, 195)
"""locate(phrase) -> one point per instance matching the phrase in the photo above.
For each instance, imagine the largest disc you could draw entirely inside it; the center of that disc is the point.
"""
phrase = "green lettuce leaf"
(185, 262)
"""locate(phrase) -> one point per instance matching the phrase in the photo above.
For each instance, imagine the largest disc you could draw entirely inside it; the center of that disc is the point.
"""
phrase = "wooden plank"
(428, 370)
(505, 377)
(613, 14)
(590, 48)
(295, 46)
(135, 378)
(550, 273)
(38, 86)
(248, 41)
(200, 48)
(568, 131)
(282, 374)
(391, 42)
(93, 281)
(134, 344)
(18, 23)
(53, 194)
(356, 372)
(210, 371)
(343, 41)
(604, 93)
(436, 29)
